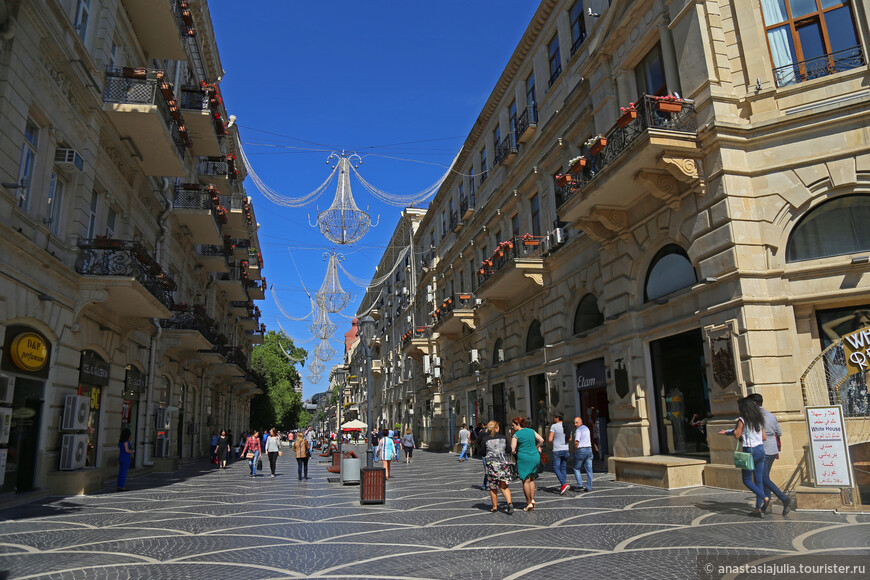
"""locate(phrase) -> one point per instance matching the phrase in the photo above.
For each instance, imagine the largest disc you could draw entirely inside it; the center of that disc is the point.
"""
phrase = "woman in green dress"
(526, 443)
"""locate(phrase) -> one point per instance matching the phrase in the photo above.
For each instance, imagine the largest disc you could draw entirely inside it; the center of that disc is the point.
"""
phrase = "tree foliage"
(304, 419)
(279, 405)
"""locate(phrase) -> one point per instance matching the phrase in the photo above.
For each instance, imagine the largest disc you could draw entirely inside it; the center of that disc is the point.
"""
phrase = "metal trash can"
(350, 470)
(373, 486)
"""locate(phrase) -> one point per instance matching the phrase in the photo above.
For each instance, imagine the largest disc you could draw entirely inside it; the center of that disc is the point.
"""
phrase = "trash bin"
(350, 470)
(373, 485)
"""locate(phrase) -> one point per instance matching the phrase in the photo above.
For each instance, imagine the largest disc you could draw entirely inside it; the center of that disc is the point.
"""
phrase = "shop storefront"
(93, 379)
(25, 365)
(134, 386)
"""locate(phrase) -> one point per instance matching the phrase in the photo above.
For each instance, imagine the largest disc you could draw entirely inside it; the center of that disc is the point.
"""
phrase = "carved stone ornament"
(685, 169)
(621, 382)
(721, 348)
(87, 297)
(660, 185)
(536, 278)
(595, 230)
(613, 219)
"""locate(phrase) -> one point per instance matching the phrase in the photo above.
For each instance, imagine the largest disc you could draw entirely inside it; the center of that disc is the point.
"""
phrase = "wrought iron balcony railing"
(214, 250)
(459, 300)
(127, 258)
(454, 221)
(466, 204)
(554, 76)
(525, 246)
(234, 355)
(217, 167)
(192, 318)
(528, 118)
(506, 148)
(822, 66)
(483, 176)
(189, 196)
(620, 138)
(416, 332)
(127, 86)
(193, 98)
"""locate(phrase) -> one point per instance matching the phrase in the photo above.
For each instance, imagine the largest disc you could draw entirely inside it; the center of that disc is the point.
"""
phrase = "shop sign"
(29, 352)
(857, 351)
(591, 375)
(93, 371)
(24, 413)
(829, 449)
(135, 381)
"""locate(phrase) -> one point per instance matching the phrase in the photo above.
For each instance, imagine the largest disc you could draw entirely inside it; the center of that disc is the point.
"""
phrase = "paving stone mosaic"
(435, 524)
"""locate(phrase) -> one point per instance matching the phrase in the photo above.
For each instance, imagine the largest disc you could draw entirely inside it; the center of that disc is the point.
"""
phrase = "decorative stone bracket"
(685, 169)
(661, 185)
(605, 224)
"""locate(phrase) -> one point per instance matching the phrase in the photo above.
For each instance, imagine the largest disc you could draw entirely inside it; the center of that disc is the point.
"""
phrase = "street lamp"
(340, 374)
(367, 333)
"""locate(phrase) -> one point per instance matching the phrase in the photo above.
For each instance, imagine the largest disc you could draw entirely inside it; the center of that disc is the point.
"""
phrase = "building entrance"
(499, 412)
(681, 396)
(538, 404)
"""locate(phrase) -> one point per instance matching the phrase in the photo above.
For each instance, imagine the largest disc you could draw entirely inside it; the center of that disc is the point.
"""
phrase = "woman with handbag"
(493, 446)
(749, 431)
(386, 451)
(408, 445)
(251, 451)
(272, 450)
(300, 446)
(526, 443)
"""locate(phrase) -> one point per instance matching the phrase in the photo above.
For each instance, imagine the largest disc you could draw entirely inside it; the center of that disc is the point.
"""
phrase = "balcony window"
(56, 189)
(649, 74)
(498, 352)
(810, 38)
(515, 225)
(834, 228)
(92, 215)
(27, 166)
(578, 26)
(512, 116)
(670, 270)
(535, 206)
(483, 165)
(83, 14)
(555, 59)
(496, 136)
(530, 90)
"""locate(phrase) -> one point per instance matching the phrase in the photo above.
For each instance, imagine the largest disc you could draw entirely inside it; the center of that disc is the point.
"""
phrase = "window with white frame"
(531, 99)
(649, 74)
(82, 17)
(512, 116)
(111, 218)
(92, 215)
(535, 206)
(27, 166)
(56, 189)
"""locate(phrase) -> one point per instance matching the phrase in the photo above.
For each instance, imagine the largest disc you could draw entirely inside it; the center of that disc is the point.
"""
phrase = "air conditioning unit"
(559, 236)
(475, 355)
(73, 451)
(161, 447)
(436, 361)
(68, 159)
(162, 418)
(76, 409)
(7, 388)
(426, 364)
(436, 372)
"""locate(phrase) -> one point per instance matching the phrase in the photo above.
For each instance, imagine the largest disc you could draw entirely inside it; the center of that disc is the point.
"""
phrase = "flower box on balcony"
(563, 179)
(669, 106)
(578, 166)
(598, 146)
(627, 117)
(531, 242)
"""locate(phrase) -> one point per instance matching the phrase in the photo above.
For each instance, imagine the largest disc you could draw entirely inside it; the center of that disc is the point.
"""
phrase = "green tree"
(304, 419)
(279, 405)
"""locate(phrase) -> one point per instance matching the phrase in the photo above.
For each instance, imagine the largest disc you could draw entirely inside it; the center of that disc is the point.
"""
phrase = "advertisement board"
(829, 449)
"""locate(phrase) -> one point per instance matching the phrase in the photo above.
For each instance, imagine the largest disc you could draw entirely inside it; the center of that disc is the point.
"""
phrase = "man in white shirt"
(771, 452)
(583, 448)
(463, 440)
(560, 452)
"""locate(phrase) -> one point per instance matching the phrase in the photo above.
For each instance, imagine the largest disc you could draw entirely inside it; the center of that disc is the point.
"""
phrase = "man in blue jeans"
(771, 453)
(560, 451)
(463, 440)
(583, 448)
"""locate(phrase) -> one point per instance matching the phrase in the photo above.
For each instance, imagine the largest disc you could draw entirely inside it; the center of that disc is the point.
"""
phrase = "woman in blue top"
(124, 457)
(386, 451)
(750, 429)
(527, 443)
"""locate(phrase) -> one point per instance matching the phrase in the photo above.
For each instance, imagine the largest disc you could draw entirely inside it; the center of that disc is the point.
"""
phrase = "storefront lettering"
(29, 352)
(856, 348)
(828, 447)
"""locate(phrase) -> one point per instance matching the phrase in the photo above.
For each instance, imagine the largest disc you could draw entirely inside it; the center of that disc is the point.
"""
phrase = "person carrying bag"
(252, 451)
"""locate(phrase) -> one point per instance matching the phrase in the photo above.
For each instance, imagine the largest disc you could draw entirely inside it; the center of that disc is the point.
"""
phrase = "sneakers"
(563, 489)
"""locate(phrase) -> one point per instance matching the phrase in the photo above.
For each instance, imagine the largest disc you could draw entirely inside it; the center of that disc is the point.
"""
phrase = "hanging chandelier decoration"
(343, 223)
(322, 327)
(324, 350)
(313, 378)
(316, 367)
(331, 296)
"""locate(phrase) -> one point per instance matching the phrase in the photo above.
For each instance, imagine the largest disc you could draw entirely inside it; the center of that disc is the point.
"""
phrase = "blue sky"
(401, 82)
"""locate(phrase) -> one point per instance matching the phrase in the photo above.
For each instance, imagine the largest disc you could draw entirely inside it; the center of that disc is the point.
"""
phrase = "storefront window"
(93, 378)
(834, 228)
(670, 271)
(534, 339)
(848, 390)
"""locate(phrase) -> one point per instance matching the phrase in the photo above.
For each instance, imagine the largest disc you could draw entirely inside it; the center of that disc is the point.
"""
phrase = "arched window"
(670, 270)
(833, 228)
(498, 352)
(587, 315)
(534, 339)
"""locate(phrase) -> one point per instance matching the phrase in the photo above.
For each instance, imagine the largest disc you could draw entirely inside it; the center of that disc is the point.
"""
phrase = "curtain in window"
(778, 39)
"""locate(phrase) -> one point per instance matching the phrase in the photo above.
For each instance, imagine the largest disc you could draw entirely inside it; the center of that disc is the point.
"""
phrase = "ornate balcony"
(516, 266)
(651, 147)
(189, 329)
(199, 210)
(466, 207)
(163, 27)
(234, 284)
(123, 276)
(241, 307)
(215, 171)
(822, 66)
(232, 362)
(141, 105)
(377, 367)
(250, 320)
(257, 290)
(241, 221)
(212, 257)
(506, 151)
(239, 246)
(202, 112)
(417, 342)
(527, 123)
(257, 335)
(455, 311)
(455, 223)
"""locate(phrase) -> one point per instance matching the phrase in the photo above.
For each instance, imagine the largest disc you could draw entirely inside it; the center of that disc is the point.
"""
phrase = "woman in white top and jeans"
(750, 429)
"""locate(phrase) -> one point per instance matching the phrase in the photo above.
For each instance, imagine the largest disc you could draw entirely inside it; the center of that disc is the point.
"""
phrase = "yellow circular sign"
(29, 352)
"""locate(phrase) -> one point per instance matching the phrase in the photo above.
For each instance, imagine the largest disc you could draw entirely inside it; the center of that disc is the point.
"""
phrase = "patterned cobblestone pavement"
(435, 524)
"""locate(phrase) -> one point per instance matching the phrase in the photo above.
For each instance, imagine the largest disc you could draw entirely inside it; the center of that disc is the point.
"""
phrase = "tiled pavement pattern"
(204, 524)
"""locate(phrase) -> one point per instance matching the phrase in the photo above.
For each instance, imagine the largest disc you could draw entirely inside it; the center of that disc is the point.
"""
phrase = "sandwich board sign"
(829, 448)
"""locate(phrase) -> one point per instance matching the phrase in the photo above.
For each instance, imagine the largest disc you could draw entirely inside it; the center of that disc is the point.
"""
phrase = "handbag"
(260, 465)
(249, 455)
(742, 459)
(544, 458)
(280, 453)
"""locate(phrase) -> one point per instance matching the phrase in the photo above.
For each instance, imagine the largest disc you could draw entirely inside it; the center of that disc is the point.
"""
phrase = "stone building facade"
(128, 248)
(658, 210)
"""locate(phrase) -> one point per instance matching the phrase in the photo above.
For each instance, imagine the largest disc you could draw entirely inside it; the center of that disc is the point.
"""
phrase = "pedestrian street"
(200, 522)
